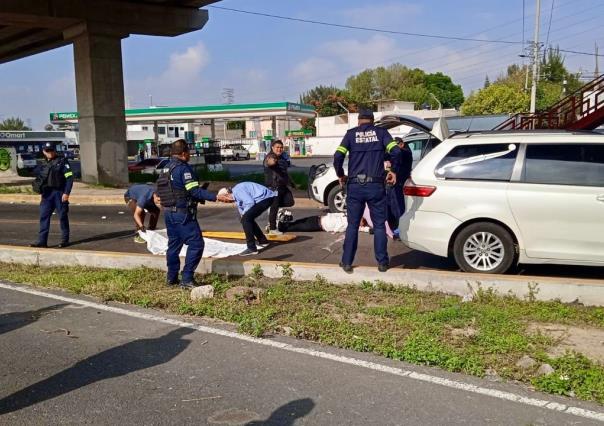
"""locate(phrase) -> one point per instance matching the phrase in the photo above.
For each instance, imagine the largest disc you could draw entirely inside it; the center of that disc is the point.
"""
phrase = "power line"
(384, 31)
(353, 27)
(549, 26)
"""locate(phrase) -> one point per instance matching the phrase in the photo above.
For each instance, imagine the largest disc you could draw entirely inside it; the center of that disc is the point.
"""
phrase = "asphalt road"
(64, 363)
(105, 228)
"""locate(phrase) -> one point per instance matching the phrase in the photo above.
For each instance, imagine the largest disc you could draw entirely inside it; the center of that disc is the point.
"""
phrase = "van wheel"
(336, 200)
(484, 247)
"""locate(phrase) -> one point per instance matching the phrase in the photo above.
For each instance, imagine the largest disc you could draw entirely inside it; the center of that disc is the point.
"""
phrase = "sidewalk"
(84, 194)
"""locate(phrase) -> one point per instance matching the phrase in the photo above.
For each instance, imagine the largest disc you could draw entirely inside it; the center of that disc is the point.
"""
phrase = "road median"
(487, 335)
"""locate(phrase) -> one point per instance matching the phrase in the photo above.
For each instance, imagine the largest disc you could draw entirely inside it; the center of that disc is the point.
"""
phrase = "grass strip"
(485, 336)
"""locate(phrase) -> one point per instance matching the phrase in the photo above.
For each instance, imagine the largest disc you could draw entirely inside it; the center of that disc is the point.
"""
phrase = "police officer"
(179, 192)
(54, 183)
(394, 193)
(365, 182)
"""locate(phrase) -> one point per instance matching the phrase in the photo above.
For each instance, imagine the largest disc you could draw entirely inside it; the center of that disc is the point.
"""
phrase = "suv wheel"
(236, 157)
(336, 200)
(484, 247)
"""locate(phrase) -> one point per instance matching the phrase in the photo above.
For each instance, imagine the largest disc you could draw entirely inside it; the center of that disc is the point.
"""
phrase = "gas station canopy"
(202, 113)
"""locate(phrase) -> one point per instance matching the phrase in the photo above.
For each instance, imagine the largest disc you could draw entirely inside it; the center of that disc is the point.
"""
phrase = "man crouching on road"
(141, 198)
(252, 199)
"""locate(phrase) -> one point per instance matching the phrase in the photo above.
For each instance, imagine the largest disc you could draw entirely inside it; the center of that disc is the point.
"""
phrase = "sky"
(266, 59)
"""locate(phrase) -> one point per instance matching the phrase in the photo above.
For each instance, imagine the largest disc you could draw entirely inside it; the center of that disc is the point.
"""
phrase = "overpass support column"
(100, 98)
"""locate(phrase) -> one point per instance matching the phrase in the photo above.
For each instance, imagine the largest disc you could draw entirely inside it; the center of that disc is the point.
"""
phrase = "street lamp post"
(347, 113)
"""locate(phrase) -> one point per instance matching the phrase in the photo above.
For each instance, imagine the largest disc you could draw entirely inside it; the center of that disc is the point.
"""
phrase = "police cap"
(365, 113)
(48, 146)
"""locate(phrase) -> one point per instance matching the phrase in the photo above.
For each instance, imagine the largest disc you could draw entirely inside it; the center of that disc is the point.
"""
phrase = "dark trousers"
(183, 229)
(396, 204)
(306, 224)
(357, 195)
(50, 202)
(277, 201)
(250, 227)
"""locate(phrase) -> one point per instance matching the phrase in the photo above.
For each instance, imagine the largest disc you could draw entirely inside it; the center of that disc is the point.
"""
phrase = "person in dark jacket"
(394, 193)
(54, 183)
(277, 179)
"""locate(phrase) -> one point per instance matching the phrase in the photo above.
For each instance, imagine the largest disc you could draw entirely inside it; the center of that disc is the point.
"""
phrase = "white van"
(491, 200)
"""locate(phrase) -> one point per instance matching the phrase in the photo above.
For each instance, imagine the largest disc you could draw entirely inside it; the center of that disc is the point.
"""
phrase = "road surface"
(65, 361)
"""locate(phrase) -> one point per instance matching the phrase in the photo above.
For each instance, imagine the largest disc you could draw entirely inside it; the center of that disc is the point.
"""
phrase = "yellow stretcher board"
(241, 236)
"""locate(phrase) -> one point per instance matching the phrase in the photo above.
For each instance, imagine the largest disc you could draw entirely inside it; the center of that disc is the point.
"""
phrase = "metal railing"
(581, 110)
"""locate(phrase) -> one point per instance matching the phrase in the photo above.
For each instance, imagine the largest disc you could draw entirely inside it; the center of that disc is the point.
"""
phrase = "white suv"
(494, 199)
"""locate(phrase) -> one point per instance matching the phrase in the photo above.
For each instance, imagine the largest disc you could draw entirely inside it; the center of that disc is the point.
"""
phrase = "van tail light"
(414, 190)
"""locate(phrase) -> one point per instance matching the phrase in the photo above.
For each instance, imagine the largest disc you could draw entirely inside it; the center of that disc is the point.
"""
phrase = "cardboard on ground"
(241, 236)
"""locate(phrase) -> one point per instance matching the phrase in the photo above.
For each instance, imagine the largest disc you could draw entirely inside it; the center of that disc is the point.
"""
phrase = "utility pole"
(535, 58)
(597, 65)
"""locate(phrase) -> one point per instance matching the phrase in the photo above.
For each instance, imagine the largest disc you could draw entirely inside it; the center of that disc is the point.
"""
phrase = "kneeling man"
(141, 198)
(252, 199)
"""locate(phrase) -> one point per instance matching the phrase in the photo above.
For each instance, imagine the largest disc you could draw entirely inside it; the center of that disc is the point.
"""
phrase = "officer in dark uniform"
(366, 182)
(54, 183)
(394, 193)
(179, 192)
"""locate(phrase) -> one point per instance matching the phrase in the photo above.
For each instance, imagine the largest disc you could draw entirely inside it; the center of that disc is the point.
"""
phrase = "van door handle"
(600, 198)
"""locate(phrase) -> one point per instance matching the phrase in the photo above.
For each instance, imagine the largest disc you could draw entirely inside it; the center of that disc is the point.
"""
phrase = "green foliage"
(550, 89)
(393, 82)
(257, 272)
(496, 99)
(326, 100)
(450, 95)
(574, 375)
(5, 189)
(287, 272)
(13, 123)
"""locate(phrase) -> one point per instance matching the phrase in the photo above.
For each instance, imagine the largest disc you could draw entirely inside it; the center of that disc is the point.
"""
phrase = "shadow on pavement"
(102, 237)
(15, 320)
(287, 414)
(115, 362)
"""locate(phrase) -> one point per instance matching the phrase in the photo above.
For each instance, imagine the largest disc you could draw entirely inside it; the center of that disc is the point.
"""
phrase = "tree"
(450, 95)
(496, 99)
(327, 100)
(487, 82)
(13, 123)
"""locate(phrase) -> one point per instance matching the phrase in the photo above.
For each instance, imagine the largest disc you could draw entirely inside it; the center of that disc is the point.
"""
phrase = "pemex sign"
(63, 116)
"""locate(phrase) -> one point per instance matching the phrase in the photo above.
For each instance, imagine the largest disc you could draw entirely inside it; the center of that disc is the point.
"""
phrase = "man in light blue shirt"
(252, 199)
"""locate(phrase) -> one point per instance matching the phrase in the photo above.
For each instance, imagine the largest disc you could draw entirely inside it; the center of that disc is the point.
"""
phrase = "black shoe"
(64, 244)
(38, 245)
(172, 283)
(346, 268)
(248, 252)
(383, 267)
(188, 286)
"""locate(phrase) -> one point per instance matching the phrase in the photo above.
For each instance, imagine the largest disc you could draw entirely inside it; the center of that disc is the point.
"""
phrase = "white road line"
(441, 381)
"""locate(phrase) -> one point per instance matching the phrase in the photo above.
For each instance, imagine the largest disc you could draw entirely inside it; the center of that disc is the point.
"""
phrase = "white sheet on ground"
(157, 243)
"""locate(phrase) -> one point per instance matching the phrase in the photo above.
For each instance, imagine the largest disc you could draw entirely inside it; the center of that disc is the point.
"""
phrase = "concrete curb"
(588, 292)
(108, 200)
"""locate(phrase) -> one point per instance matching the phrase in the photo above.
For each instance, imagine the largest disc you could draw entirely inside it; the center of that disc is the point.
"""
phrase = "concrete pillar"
(213, 128)
(156, 136)
(100, 98)
(274, 127)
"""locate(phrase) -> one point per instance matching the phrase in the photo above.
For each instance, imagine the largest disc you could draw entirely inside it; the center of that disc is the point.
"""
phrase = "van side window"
(573, 164)
(479, 162)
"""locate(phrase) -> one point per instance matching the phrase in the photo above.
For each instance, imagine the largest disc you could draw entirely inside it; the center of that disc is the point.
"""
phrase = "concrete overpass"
(95, 28)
